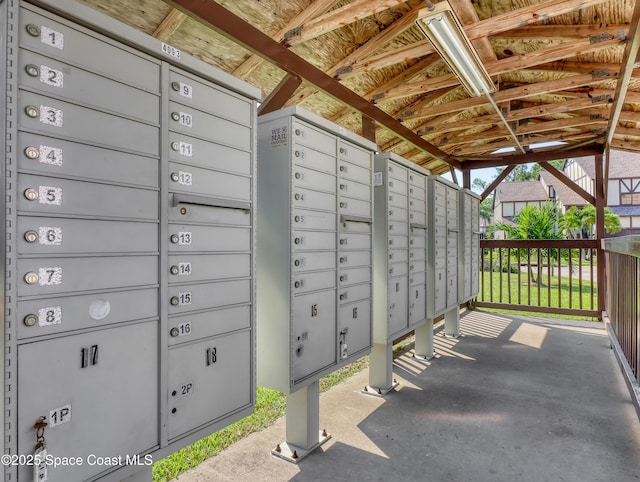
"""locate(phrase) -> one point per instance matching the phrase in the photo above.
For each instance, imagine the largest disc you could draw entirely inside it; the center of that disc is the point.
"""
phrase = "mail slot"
(398, 242)
(200, 296)
(310, 199)
(207, 154)
(419, 181)
(311, 179)
(346, 170)
(310, 136)
(196, 180)
(55, 236)
(354, 241)
(354, 154)
(187, 212)
(398, 200)
(353, 276)
(398, 304)
(354, 258)
(398, 186)
(191, 238)
(319, 280)
(355, 207)
(313, 346)
(196, 374)
(72, 160)
(417, 303)
(190, 268)
(399, 228)
(306, 219)
(312, 240)
(68, 313)
(208, 97)
(314, 159)
(87, 88)
(94, 53)
(417, 241)
(195, 326)
(66, 394)
(354, 293)
(418, 277)
(54, 117)
(398, 214)
(313, 261)
(418, 217)
(354, 189)
(49, 276)
(397, 172)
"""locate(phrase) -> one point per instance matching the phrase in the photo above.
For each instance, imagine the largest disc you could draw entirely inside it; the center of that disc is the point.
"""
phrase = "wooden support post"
(600, 202)
(466, 178)
(368, 128)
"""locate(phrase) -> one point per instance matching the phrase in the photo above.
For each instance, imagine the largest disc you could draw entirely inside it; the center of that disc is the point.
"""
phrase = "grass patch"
(270, 406)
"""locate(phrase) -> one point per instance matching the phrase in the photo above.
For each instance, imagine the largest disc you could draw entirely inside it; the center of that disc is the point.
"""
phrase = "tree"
(526, 172)
(577, 222)
(486, 205)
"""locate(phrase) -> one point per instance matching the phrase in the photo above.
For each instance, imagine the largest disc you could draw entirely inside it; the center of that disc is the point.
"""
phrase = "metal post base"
(381, 379)
(294, 454)
(378, 391)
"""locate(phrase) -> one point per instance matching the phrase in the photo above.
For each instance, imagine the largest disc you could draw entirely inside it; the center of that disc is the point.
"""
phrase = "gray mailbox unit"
(315, 206)
(401, 239)
(442, 259)
(129, 236)
(468, 273)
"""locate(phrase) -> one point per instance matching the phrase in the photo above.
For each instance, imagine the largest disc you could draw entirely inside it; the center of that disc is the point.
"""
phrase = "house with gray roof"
(623, 190)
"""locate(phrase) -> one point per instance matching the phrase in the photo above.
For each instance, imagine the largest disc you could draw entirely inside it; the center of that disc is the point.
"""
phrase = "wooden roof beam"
(564, 179)
(527, 141)
(501, 177)
(169, 25)
(498, 161)
(561, 31)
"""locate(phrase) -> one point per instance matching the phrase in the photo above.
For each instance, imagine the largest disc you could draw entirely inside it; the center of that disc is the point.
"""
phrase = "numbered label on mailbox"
(49, 316)
(50, 276)
(51, 76)
(184, 329)
(51, 116)
(52, 38)
(185, 149)
(186, 90)
(50, 235)
(184, 238)
(186, 389)
(60, 415)
(50, 195)
(184, 298)
(185, 178)
(50, 155)
(184, 268)
(169, 50)
(185, 119)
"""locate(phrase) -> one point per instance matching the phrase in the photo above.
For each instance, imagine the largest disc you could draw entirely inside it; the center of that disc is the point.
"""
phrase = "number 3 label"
(51, 116)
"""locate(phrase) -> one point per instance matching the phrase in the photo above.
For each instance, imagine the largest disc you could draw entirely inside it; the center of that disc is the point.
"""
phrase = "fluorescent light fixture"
(444, 31)
(547, 144)
(504, 150)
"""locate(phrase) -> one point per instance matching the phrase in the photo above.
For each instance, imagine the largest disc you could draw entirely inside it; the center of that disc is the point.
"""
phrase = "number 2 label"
(51, 76)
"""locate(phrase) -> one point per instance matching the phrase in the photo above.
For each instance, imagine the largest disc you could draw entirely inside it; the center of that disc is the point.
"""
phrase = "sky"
(486, 174)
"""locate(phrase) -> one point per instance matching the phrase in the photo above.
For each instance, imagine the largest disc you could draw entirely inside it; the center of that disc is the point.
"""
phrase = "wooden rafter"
(562, 31)
(498, 161)
(280, 95)
(169, 25)
(501, 177)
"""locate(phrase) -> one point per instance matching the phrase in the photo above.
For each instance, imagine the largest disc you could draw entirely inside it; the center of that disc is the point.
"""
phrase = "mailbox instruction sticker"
(378, 179)
(279, 137)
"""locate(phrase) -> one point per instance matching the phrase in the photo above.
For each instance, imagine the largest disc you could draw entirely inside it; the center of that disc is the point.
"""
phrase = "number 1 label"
(51, 37)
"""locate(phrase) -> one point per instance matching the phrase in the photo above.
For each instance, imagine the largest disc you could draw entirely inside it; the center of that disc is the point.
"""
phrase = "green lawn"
(546, 292)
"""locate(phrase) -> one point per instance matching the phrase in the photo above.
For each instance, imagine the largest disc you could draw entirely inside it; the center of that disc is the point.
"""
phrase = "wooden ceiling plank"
(169, 25)
(623, 145)
(340, 17)
(630, 55)
(561, 31)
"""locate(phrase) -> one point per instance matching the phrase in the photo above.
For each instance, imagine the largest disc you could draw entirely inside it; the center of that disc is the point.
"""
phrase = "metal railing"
(621, 304)
(550, 276)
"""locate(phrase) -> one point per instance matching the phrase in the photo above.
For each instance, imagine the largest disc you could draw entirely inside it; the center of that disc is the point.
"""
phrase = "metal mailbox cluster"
(469, 270)
(315, 204)
(130, 243)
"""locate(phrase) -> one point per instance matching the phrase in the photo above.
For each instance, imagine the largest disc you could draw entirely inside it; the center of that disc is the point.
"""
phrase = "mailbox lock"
(174, 238)
(174, 269)
(297, 153)
(343, 150)
(33, 30)
(32, 111)
(175, 86)
(296, 262)
(175, 176)
(175, 116)
(297, 240)
(174, 300)
(343, 277)
(31, 194)
(32, 70)
(297, 175)
(343, 296)
(174, 410)
(32, 152)
(298, 196)
(297, 284)
(343, 259)
(343, 168)
(175, 146)
(31, 277)
(31, 236)
(174, 332)
(343, 241)
(30, 319)
(298, 132)
(343, 205)
(342, 187)
(183, 211)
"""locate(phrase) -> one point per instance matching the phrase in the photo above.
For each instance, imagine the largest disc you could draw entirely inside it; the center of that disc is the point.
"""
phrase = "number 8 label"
(49, 316)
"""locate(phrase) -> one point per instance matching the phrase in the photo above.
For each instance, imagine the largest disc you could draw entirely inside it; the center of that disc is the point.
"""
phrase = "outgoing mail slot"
(354, 241)
(354, 293)
(71, 160)
(195, 326)
(81, 394)
(55, 236)
(198, 152)
(304, 156)
(313, 261)
(192, 122)
(312, 240)
(189, 238)
(347, 170)
(94, 53)
(198, 213)
(54, 117)
(189, 268)
(355, 190)
(87, 88)
(352, 153)
(310, 179)
(355, 207)
(50, 276)
(354, 321)
(195, 180)
(354, 258)
(314, 199)
(61, 196)
(353, 276)
(313, 346)
(208, 97)
(307, 135)
(196, 374)
(305, 282)
(316, 220)
(185, 298)
(57, 315)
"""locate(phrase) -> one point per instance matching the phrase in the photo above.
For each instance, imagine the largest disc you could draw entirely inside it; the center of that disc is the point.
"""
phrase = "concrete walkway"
(515, 399)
